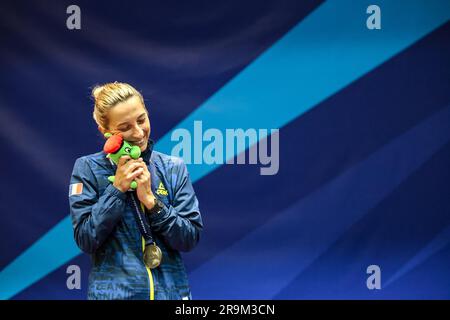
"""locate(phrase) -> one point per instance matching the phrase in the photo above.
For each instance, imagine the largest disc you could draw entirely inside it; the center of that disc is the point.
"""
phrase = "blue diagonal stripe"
(296, 243)
(324, 53)
(321, 55)
(435, 245)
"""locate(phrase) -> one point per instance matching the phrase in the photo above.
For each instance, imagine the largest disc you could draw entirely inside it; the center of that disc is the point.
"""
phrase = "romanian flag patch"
(75, 189)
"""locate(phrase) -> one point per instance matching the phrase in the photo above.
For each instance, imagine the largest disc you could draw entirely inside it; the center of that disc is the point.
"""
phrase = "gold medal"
(152, 256)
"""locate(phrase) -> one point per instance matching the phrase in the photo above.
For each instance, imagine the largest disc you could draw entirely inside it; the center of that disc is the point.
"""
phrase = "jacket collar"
(147, 153)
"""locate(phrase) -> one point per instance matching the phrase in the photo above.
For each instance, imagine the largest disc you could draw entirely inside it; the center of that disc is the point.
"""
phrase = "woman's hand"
(144, 190)
(127, 171)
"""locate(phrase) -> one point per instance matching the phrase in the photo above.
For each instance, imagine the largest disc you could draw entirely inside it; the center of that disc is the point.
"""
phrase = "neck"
(147, 153)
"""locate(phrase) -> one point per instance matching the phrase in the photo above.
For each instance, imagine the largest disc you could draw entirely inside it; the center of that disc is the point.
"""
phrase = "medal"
(152, 256)
(152, 253)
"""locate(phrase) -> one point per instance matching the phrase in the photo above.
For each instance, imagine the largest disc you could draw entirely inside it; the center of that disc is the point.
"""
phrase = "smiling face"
(130, 119)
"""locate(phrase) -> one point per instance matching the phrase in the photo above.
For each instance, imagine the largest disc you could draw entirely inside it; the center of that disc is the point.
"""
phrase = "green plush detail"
(126, 150)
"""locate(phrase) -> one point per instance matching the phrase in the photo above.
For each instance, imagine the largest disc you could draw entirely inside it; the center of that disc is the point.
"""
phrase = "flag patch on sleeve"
(75, 189)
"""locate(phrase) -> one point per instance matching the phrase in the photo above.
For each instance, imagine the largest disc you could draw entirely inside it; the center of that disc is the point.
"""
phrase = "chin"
(143, 147)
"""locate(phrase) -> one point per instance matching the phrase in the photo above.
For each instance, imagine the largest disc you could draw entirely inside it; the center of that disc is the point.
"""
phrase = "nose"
(137, 133)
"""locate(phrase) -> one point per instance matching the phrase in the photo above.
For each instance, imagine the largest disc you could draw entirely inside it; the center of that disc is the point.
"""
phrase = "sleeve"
(180, 224)
(93, 216)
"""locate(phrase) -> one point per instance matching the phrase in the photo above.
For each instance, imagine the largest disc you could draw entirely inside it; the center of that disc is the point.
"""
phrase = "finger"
(144, 177)
(144, 165)
(131, 162)
(139, 179)
(146, 174)
(142, 182)
(131, 166)
(123, 160)
(135, 174)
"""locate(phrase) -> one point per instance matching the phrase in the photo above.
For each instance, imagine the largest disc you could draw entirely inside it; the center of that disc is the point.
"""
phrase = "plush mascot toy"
(115, 146)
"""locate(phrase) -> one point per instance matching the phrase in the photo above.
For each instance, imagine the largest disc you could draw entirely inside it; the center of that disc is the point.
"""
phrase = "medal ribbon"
(141, 220)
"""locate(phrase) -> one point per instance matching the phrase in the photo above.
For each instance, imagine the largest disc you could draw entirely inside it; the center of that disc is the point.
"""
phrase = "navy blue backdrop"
(364, 140)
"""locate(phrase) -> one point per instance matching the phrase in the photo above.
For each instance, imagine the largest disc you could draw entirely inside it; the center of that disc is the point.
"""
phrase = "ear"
(106, 133)
(102, 130)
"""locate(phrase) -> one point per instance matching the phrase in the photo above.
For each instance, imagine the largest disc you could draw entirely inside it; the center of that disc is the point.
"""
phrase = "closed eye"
(124, 128)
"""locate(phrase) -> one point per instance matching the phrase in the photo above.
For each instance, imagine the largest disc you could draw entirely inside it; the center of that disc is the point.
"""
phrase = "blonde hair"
(107, 96)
